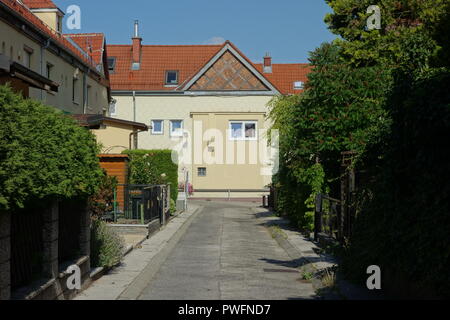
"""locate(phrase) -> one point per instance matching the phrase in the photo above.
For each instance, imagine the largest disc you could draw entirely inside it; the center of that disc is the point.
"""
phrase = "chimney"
(267, 64)
(137, 44)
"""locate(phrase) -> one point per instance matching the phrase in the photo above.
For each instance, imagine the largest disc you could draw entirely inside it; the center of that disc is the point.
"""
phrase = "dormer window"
(171, 78)
(111, 64)
(299, 85)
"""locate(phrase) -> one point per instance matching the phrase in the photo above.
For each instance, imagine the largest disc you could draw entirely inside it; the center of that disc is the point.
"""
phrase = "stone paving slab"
(117, 281)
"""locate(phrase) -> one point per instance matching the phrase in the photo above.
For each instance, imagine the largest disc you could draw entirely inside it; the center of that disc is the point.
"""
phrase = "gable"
(228, 74)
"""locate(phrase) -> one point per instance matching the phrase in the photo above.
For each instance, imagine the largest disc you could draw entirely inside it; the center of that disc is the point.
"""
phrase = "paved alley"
(227, 254)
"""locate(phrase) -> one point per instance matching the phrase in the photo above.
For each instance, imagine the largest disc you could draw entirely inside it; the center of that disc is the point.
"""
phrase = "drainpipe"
(43, 48)
(134, 106)
(134, 146)
(85, 91)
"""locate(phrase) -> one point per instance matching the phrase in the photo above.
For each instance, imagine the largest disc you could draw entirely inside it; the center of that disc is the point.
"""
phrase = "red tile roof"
(188, 60)
(39, 4)
(283, 76)
(92, 43)
(42, 27)
(156, 60)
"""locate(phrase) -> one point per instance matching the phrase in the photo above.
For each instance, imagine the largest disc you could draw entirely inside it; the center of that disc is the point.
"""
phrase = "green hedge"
(154, 167)
(43, 154)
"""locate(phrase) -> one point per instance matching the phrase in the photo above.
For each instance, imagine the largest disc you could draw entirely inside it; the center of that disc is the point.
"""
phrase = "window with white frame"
(299, 85)
(158, 127)
(176, 128)
(243, 130)
(171, 77)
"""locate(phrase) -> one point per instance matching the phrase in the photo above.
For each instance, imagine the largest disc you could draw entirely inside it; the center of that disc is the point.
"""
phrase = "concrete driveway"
(227, 254)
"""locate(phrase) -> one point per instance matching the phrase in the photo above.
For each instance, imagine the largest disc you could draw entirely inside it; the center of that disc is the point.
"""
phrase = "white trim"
(243, 122)
(158, 133)
(228, 47)
(171, 128)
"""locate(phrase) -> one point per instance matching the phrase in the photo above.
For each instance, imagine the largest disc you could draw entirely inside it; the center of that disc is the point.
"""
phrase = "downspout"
(85, 84)
(43, 48)
(134, 106)
(134, 146)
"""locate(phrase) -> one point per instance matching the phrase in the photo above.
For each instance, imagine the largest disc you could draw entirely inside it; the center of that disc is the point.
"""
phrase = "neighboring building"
(48, 66)
(173, 88)
(115, 135)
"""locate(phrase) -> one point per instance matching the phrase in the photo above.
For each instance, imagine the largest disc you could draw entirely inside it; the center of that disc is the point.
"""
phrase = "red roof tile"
(39, 4)
(92, 43)
(283, 76)
(155, 61)
(188, 60)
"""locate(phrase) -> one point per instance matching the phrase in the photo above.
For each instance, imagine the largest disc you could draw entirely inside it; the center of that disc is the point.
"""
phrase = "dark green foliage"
(405, 228)
(406, 36)
(341, 110)
(154, 167)
(43, 154)
(384, 95)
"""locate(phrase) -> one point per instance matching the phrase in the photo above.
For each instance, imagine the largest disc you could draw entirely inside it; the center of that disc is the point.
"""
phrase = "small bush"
(173, 206)
(106, 245)
(154, 167)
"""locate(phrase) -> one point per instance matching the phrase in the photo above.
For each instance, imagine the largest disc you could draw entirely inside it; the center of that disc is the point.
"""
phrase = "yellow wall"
(218, 111)
(62, 72)
(51, 18)
(114, 138)
(239, 164)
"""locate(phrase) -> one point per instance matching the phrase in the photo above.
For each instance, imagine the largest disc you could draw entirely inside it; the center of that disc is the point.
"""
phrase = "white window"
(299, 85)
(157, 127)
(243, 130)
(176, 128)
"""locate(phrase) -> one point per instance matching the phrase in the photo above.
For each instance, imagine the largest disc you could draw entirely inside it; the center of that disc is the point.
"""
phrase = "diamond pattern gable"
(228, 74)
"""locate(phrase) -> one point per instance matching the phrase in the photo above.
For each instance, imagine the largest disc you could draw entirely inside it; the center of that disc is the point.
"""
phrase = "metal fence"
(142, 204)
(26, 246)
(328, 220)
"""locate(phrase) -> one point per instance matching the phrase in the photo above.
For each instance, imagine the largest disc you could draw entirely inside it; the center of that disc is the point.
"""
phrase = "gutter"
(134, 106)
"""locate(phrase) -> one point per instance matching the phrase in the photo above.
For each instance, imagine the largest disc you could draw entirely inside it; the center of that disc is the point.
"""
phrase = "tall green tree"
(407, 37)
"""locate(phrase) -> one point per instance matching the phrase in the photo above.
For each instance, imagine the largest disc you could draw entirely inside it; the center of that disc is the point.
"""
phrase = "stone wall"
(53, 285)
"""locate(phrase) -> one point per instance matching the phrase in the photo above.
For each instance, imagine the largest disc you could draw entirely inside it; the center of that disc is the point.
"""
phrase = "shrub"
(103, 201)
(106, 245)
(43, 154)
(154, 167)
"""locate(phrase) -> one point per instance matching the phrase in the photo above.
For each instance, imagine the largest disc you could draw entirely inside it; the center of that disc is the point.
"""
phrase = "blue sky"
(287, 29)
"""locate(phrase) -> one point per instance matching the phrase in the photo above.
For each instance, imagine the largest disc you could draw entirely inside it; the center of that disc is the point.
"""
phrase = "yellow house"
(208, 103)
(114, 135)
(43, 64)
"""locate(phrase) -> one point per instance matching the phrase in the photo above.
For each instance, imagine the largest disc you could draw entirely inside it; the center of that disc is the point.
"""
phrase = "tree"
(407, 37)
